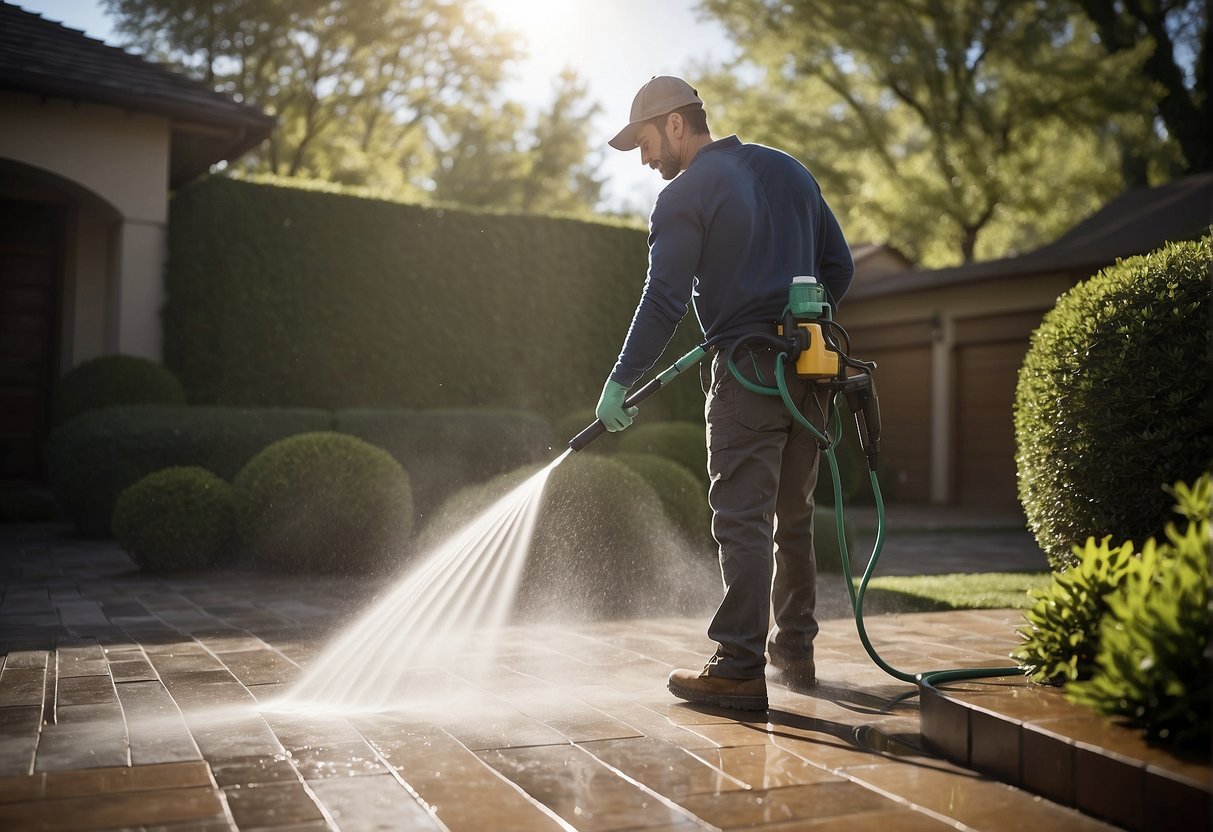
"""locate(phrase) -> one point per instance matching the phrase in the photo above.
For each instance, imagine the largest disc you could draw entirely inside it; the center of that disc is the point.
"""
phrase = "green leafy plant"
(1062, 633)
(1110, 400)
(176, 520)
(92, 458)
(1152, 663)
(113, 380)
(323, 502)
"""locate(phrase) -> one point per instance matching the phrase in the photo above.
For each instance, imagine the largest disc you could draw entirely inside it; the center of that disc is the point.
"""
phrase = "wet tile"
(116, 780)
(1109, 788)
(444, 773)
(81, 659)
(965, 797)
(765, 766)
(945, 725)
(503, 730)
(133, 670)
(662, 767)
(35, 659)
(1048, 765)
(85, 690)
(995, 746)
(272, 804)
(19, 729)
(892, 820)
(375, 802)
(136, 809)
(730, 810)
(20, 788)
(1177, 803)
(156, 731)
(347, 759)
(580, 789)
(84, 736)
(259, 770)
(256, 667)
(21, 686)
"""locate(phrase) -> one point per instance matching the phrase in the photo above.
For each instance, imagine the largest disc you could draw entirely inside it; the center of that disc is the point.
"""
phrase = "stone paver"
(145, 706)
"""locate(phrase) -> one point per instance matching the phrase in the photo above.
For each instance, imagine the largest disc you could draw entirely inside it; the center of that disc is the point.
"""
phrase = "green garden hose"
(929, 679)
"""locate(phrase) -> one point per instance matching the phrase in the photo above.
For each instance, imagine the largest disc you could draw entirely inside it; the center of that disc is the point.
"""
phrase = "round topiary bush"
(112, 380)
(683, 495)
(602, 546)
(323, 502)
(1111, 400)
(683, 442)
(176, 520)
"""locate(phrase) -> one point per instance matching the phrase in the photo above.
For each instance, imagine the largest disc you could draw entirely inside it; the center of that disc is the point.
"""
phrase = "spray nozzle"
(860, 393)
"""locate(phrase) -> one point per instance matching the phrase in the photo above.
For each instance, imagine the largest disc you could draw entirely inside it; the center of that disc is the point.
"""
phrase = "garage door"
(986, 375)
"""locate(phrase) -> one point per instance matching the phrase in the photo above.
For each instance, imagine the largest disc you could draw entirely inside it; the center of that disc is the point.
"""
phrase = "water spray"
(818, 349)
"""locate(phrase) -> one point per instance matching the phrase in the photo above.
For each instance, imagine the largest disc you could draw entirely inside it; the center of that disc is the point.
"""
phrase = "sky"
(615, 46)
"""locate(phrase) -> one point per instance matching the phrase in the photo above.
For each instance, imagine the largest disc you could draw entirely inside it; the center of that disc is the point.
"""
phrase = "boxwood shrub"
(602, 546)
(683, 495)
(176, 520)
(323, 502)
(446, 449)
(1112, 400)
(113, 380)
(683, 442)
(91, 459)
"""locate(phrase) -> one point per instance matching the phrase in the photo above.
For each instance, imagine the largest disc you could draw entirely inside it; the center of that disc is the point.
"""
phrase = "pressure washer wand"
(597, 429)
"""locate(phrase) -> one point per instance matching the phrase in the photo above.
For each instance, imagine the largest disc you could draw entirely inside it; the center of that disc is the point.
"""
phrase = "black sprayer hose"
(597, 428)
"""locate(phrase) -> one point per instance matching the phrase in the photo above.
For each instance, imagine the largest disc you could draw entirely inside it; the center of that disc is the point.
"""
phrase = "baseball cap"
(662, 94)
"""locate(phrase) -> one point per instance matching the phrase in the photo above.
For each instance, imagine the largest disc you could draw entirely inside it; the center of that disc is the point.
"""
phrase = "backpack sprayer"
(818, 348)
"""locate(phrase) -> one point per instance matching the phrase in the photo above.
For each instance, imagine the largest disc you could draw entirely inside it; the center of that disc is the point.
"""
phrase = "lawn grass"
(923, 593)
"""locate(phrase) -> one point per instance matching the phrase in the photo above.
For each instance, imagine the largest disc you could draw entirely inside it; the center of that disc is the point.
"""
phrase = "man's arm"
(837, 267)
(675, 241)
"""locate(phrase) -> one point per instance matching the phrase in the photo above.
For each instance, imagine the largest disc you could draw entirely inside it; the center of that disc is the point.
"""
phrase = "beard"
(667, 160)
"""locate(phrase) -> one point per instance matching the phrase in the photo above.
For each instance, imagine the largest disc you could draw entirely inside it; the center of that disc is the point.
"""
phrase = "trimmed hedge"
(682, 442)
(602, 546)
(323, 502)
(91, 459)
(285, 297)
(683, 495)
(113, 380)
(1113, 399)
(179, 519)
(447, 449)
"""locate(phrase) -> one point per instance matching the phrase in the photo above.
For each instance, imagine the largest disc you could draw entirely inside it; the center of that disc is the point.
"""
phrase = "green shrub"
(176, 520)
(1112, 399)
(602, 545)
(444, 450)
(1062, 634)
(91, 459)
(683, 442)
(683, 495)
(269, 301)
(1152, 663)
(113, 380)
(323, 502)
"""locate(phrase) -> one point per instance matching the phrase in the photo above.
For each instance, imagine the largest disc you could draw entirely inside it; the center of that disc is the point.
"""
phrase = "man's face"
(657, 151)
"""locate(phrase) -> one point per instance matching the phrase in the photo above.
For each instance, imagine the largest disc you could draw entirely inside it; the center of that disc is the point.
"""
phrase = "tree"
(497, 159)
(1173, 29)
(937, 125)
(401, 96)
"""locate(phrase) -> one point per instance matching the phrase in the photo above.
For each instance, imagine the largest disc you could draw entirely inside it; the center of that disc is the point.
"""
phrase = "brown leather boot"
(699, 687)
(795, 674)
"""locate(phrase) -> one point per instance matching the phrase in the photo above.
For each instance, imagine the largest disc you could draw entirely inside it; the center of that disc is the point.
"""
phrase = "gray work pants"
(763, 468)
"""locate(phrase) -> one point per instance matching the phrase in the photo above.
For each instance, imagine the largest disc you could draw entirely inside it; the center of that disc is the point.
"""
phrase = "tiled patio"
(129, 702)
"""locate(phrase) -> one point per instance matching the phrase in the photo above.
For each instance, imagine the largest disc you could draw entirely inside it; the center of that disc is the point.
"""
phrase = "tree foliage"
(372, 93)
(953, 129)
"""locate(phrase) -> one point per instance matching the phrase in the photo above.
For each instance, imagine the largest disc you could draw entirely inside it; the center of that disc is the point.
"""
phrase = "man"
(734, 226)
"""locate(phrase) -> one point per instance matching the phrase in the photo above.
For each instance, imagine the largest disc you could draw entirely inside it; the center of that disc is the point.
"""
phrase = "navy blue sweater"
(732, 230)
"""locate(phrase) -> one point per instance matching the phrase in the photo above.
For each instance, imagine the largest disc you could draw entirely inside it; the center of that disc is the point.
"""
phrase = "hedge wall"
(288, 297)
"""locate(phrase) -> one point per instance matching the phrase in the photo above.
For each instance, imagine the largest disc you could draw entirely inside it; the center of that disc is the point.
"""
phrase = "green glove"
(611, 411)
